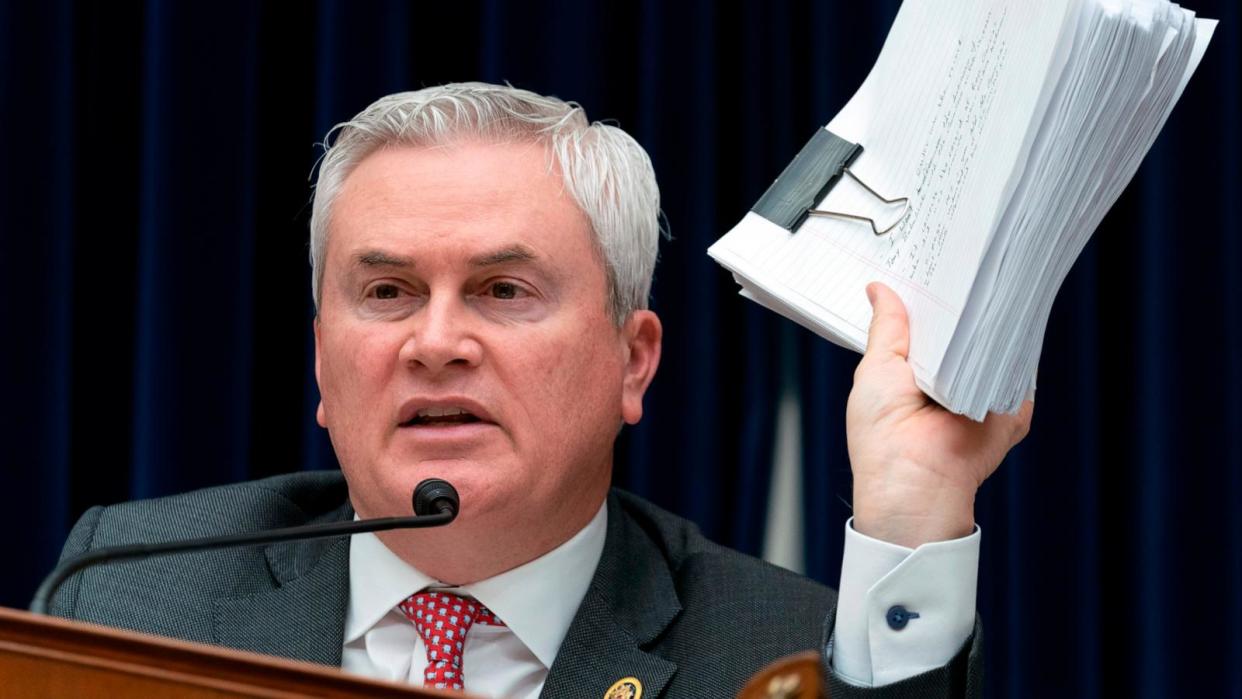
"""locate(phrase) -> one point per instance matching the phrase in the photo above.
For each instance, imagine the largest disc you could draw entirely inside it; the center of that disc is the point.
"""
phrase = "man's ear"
(643, 335)
(320, 416)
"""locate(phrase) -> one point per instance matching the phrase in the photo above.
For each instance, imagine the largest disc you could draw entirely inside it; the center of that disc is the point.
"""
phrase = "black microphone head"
(434, 496)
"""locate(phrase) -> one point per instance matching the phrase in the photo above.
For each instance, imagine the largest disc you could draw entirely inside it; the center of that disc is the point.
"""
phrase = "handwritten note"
(947, 156)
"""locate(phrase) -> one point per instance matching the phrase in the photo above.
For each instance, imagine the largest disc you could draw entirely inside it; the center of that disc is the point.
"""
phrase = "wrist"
(910, 512)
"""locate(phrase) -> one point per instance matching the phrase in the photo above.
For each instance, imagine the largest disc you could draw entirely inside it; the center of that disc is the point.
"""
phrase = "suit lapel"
(303, 615)
(630, 602)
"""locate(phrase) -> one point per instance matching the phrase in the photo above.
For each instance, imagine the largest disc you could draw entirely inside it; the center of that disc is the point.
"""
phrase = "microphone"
(435, 504)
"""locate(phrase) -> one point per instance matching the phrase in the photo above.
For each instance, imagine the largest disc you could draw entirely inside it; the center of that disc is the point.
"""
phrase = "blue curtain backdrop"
(155, 309)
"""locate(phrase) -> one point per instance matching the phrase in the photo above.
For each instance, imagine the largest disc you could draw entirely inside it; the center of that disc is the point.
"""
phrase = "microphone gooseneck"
(435, 504)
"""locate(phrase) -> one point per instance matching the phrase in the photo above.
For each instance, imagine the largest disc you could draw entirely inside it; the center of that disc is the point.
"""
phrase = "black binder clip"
(814, 171)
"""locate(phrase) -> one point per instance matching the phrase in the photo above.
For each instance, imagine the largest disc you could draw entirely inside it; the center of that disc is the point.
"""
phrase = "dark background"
(155, 299)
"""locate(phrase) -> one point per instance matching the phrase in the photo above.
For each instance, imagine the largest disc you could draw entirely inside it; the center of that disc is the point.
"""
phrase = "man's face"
(464, 333)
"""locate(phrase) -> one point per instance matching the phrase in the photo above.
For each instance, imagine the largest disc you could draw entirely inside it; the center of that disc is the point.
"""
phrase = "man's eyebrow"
(379, 258)
(513, 253)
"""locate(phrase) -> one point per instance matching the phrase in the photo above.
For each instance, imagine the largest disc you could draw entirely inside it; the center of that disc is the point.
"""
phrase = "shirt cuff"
(900, 611)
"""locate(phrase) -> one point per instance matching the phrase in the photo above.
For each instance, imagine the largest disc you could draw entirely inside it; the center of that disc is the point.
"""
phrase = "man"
(482, 259)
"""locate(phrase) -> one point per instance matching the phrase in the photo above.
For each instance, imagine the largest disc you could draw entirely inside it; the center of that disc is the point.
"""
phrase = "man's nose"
(441, 336)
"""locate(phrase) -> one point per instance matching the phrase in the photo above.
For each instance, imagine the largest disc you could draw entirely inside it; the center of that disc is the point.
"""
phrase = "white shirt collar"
(536, 600)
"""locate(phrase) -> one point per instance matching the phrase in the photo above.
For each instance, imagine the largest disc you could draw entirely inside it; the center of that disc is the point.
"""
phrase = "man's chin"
(475, 480)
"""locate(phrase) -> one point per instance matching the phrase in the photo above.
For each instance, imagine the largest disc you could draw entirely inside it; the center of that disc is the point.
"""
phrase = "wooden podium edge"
(794, 676)
(184, 662)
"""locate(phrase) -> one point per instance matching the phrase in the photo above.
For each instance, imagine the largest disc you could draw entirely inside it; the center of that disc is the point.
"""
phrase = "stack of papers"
(1012, 127)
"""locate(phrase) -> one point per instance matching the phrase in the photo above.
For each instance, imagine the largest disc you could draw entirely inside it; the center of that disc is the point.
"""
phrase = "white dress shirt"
(936, 581)
(537, 601)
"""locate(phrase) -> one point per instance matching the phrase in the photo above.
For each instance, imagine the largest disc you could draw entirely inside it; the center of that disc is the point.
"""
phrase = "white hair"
(604, 169)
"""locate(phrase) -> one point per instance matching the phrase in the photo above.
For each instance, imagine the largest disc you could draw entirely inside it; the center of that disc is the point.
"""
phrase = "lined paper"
(1011, 126)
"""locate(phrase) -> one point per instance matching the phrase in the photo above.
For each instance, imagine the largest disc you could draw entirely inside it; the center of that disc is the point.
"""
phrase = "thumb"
(890, 327)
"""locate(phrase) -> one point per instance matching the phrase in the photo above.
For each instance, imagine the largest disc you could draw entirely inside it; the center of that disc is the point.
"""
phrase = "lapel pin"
(625, 688)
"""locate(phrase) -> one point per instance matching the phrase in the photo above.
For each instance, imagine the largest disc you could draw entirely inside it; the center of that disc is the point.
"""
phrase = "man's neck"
(474, 549)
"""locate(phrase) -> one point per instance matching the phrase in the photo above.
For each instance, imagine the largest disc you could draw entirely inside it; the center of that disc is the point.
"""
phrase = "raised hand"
(916, 465)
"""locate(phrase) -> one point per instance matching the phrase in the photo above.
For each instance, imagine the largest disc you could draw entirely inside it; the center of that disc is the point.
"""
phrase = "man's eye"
(386, 291)
(505, 290)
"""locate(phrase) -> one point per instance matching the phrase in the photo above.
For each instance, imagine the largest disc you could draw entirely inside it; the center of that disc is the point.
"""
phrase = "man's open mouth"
(441, 417)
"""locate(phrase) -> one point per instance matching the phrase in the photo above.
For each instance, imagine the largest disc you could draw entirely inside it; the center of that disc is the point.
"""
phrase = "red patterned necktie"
(443, 620)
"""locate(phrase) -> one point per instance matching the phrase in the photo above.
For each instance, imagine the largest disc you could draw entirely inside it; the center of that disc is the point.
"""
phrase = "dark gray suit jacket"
(685, 616)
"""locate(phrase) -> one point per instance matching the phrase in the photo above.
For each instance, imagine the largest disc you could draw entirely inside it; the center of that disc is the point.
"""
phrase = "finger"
(1023, 426)
(890, 328)
(1009, 427)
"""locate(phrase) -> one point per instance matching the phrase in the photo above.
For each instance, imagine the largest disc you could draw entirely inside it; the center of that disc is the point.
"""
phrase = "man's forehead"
(475, 170)
(486, 184)
(479, 205)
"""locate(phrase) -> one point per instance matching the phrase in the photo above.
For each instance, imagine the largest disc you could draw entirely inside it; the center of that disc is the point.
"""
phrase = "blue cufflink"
(898, 616)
